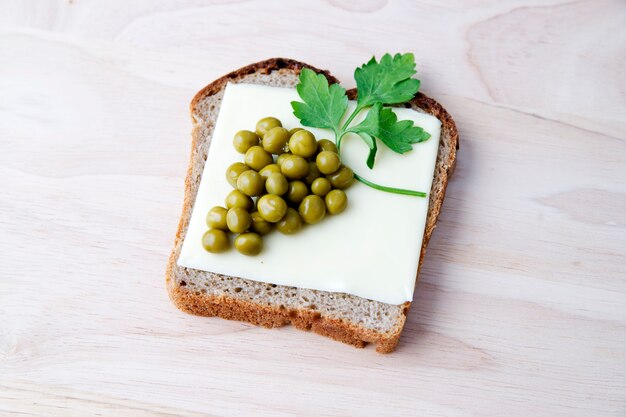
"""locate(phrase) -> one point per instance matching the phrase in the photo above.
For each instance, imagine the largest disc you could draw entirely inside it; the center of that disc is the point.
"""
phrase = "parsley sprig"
(378, 83)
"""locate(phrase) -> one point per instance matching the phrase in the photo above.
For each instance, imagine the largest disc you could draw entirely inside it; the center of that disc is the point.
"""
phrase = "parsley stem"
(375, 186)
(390, 189)
(339, 135)
(351, 118)
(342, 131)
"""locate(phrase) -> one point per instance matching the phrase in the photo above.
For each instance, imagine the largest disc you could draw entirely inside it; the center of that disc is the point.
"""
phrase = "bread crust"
(232, 308)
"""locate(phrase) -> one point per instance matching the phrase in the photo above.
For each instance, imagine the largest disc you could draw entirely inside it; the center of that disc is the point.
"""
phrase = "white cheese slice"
(370, 250)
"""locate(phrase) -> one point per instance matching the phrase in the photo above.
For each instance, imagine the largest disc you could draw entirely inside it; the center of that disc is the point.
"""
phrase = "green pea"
(238, 220)
(215, 241)
(257, 158)
(234, 171)
(271, 207)
(294, 167)
(251, 183)
(326, 145)
(259, 225)
(216, 218)
(238, 199)
(244, 140)
(327, 162)
(266, 124)
(290, 223)
(336, 201)
(275, 140)
(313, 174)
(321, 186)
(249, 244)
(296, 192)
(342, 178)
(277, 184)
(303, 143)
(281, 158)
(269, 170)
(312, 209)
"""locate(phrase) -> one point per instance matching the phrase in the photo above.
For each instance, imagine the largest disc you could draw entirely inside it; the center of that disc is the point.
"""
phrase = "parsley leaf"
(388, 81)
(398, 135)
(370, 123)
(382, 123)
(371, 142)
(323, 106)
(368, 130)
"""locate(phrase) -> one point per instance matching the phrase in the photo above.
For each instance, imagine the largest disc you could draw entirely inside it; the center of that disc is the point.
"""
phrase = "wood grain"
(521, 307)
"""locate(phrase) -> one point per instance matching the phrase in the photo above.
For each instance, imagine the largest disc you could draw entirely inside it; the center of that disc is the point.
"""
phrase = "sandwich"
(349, 274)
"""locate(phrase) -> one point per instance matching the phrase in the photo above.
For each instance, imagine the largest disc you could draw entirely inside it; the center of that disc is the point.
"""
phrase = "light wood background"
(521, 306)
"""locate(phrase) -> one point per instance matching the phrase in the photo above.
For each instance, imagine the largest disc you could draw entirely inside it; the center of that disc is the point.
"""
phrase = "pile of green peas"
(287, 179)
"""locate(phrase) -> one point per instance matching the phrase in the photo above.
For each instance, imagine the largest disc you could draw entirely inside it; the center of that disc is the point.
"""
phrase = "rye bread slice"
(343, 317)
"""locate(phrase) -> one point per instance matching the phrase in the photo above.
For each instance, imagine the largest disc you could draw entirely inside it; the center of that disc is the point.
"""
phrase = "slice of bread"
(343, 317)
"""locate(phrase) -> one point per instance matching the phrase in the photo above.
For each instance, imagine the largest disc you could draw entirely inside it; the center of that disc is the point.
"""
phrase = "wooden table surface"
(521, 306)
